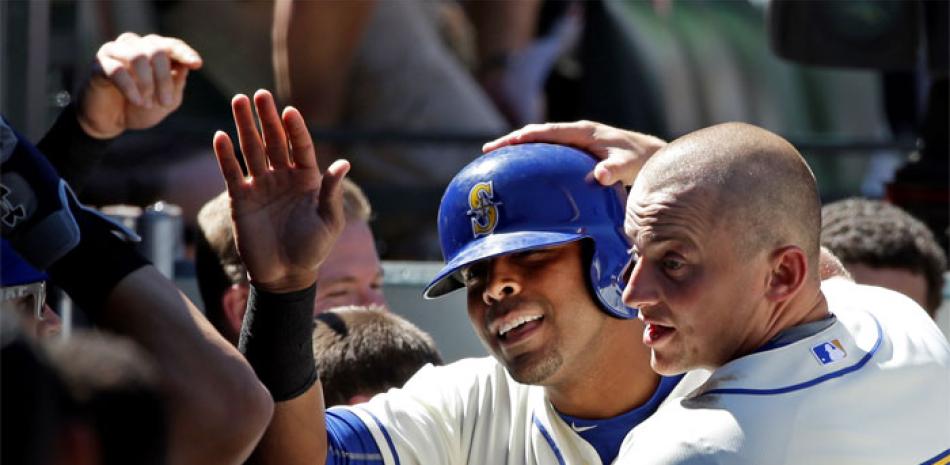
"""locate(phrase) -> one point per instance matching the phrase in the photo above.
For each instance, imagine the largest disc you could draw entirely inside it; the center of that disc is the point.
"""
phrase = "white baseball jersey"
(873, 388)
(469, 412)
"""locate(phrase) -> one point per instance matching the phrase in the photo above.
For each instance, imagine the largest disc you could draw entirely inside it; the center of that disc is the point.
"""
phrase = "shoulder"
(908, 330)
(681, 432)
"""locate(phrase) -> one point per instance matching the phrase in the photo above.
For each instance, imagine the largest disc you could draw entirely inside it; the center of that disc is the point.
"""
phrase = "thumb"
(330, 205)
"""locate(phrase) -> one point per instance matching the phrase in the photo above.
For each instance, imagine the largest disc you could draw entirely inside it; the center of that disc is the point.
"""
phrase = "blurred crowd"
(408, 90)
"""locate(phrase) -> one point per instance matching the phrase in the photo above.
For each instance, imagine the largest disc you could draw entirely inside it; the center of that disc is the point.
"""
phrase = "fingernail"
(166, 97)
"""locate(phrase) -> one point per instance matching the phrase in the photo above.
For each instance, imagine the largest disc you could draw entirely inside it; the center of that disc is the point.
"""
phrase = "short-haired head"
(747, 179)
(361, 351)
(880, 235)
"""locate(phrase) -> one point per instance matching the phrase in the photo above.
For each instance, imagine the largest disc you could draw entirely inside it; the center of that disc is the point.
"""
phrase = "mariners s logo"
(483, 209)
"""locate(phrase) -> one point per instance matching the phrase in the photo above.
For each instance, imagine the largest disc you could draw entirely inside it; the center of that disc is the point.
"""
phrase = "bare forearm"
(314, 46)
(296, 434)
(218, 410)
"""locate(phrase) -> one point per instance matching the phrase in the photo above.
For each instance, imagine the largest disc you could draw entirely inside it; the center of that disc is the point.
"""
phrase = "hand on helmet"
(287, 214)
(622, 152)
(136, 82)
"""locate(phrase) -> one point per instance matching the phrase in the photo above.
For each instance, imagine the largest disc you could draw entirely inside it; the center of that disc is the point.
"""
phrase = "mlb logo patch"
(829, 352)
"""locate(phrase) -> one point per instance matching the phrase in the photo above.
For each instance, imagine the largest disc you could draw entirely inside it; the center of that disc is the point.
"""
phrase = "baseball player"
(725, 224)
(536, 243)
(23, 291)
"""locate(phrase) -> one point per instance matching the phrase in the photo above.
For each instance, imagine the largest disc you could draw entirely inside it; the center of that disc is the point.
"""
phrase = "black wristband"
(73, 153)
(91, 270)
(277, 340)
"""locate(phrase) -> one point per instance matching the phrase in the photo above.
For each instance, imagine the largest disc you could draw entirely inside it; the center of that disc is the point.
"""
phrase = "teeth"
(516, 323)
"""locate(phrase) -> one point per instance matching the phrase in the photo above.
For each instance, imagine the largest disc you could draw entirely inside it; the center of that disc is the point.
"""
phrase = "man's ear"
(234, 304)
(789, 272)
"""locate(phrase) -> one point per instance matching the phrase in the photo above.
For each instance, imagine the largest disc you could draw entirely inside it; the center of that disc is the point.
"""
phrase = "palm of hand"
(278, 227)
(287, 214)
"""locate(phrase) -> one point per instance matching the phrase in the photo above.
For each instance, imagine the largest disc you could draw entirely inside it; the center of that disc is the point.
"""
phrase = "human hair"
(751, 181)
(115, 388)
(367, 350)
(881, 235)
(218, 265)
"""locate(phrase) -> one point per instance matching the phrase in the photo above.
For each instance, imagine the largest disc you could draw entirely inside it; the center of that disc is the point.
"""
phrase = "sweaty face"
(534, 313)
(695, 292)
(351, 274)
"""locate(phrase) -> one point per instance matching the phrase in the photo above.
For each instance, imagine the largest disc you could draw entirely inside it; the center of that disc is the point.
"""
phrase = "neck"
(613, 380)
(805, 307)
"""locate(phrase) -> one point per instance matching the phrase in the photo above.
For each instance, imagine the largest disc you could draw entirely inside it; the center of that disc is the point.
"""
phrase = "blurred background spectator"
(361, 351)
(883, 245)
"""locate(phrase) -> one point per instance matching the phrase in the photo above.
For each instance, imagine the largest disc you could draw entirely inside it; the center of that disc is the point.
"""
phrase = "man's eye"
(336, 293)
(672, 264)
(469, 275)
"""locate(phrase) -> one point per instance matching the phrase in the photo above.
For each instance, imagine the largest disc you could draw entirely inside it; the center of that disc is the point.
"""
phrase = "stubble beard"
(535, 371)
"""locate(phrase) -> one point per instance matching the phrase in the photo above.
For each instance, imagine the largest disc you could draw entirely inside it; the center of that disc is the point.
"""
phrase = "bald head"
(746, 179)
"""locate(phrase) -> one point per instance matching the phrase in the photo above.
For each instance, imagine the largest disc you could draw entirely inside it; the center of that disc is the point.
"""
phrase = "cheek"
(476, 308)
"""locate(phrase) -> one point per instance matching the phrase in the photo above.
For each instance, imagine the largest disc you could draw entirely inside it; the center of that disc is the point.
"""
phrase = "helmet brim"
(491, 246)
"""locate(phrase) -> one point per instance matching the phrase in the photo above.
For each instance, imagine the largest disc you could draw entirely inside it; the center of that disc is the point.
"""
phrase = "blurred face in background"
(352, 274)
(27, 303)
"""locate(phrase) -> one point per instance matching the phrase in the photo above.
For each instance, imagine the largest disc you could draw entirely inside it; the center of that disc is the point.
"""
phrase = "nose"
(641, 289)
(503, 280)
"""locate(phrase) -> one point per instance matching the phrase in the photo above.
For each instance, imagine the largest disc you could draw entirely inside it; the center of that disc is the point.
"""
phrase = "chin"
(665, 367)
(537, 372)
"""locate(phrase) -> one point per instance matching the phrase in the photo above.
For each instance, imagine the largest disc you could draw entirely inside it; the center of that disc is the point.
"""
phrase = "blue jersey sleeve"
(349, 441)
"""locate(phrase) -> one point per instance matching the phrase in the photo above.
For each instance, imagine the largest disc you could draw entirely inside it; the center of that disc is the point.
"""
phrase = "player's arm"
(622, 152)
(135, 83)
(216, 407)
(314, 44)
(287, 216)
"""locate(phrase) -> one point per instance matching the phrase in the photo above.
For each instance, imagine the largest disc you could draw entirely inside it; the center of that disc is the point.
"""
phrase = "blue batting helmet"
(530, 196)
(15, 270)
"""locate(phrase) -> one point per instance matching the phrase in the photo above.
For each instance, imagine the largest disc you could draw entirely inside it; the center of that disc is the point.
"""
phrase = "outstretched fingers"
(302, 149)
(331, 194)
(578, 133)
(227, 161)
(248, 137)
(275, 140)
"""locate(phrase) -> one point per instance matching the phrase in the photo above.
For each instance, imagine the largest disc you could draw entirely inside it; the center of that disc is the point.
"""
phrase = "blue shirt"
(607, 434)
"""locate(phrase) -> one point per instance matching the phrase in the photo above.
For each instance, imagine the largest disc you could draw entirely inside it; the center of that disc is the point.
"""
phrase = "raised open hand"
(286, 213)
(622, 152)
(136, 82)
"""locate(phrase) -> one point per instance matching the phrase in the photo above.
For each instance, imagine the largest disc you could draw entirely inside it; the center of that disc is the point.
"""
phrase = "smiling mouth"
(519, 328)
